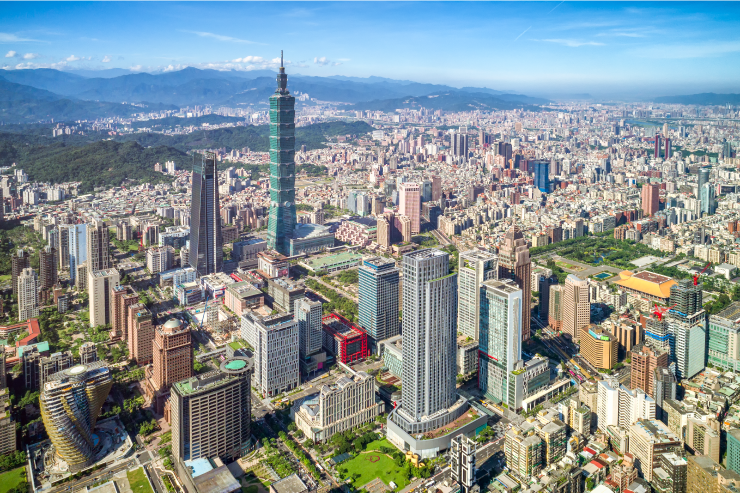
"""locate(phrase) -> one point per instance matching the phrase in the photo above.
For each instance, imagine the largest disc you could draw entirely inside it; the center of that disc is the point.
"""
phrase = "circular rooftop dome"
(236, 364)
(172, 324)
(76, 370)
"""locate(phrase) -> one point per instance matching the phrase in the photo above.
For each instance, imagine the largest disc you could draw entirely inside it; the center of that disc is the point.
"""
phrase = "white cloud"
(12, 38)
(174, 68)
(72, 58)
(11, 54)
(30, 65)
(221, 37)
(30, 56)
(572, 43)
(323, 61)
(136, 68)
(694, 50)
(106, 59)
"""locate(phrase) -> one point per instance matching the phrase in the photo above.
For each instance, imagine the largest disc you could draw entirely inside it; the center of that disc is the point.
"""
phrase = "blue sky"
(568, 47)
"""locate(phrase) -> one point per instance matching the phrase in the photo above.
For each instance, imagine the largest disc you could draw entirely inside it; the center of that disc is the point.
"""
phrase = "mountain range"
(26, 95)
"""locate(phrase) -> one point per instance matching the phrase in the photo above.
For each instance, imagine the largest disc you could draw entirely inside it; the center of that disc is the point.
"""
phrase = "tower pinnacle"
(282, 78)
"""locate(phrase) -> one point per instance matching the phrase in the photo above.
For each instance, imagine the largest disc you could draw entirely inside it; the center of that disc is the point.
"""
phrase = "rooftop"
(320, 262)
(731, 313)
(652, 284)
(289, 484)
(309, 230)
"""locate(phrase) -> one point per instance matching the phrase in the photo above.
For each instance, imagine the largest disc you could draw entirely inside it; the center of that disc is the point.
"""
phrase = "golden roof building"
(645, 284)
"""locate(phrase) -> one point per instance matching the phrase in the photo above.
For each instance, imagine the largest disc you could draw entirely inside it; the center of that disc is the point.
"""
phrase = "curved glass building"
(70, 404)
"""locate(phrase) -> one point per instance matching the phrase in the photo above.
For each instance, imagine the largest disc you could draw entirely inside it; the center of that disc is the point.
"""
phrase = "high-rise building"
(77, 236)
(664, 388)
(7, 425)
(723, 345)
(645, 360)
(475, 266)
(460, 145)
(514, 264)
(650, 198)
(409, 204)
(18, 262)
(524, 451)
(555, 308)
(282, 218)
(276, 354)
(121, 298)
(429, 342)
(648, 439)
(598, 347)
(140, 333)
(705, 475)
(88, 353)
(687, 330)
(378, 300)
(436, 188)
(28, 294)
(98, 246)
(172, 355)
(70, 405)
(101, 284)
(667, 148)
(669, 474)
(54, 363)
(707, 196)
(733, 449)
(500, 339)
(576, 306)
(310, 332)
(542, 176)
(48, 268)
(462, 462)
(211, 414)
(206, 241)
(658, 145)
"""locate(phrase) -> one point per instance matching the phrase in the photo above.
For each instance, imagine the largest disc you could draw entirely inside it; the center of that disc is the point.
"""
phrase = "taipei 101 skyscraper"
(282, 218)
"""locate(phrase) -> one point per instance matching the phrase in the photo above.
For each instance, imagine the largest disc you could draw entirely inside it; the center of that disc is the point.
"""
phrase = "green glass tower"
(282, 218)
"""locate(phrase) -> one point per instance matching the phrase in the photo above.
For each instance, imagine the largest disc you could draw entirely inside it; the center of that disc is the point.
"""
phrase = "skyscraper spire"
(282, 78)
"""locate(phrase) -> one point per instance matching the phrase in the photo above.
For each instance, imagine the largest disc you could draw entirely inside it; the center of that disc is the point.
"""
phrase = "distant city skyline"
(550, 48)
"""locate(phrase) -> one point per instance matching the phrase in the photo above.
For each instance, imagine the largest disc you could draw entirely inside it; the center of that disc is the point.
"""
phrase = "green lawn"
(379, 443)
(11, 479)
(138, 481)
(362, 469)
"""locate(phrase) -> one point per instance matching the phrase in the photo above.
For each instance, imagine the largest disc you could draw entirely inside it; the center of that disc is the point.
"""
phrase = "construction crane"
(696, 277)
(659, 311)
(205, 310)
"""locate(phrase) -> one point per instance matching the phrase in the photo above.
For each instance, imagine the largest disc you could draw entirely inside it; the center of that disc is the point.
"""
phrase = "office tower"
(88, 353)
(121, 298)
(436, 188)
(542, 176)
(460, 145)
(733, 449)
(310, 332)
(658, 145)
(669, 472)
(140, 333)
(707, 198)
(172, 355)
(98, 246)
(206, 241)
(7, 425)
(63, 246)
(349, 403)
(650, 198)
(21, 260)
(664, 388)
(101, 284)
(54, 363)
(211, 414)
(514, 264)
(500, 339)
(70, 405)
(475, 266)
(607, 410)
(77, 236)
(576, 306)
(384, 233)
(409, 204)
(282, 217)
(276, 354)
(524, 451)
(378, 294)
(160, 259)
(28, 294)
(462, 462)
(429, 342)
(645, 360)
(667, 148)
(648, 438)
(598, 347)
(555, 308)
(687, 331)
(48, 268)
(544, 302)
